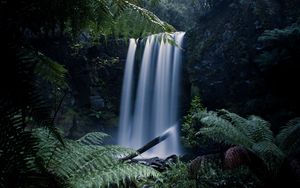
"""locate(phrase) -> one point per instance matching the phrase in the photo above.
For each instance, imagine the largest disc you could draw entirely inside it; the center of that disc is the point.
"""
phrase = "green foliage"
(50, 71)
(81, 163)
(209, 175)
(252, 133)
(74, 16)
(16, 148)
(26, 102)
(288, 138)
(190, 125)
(279, 46)
(133, 21)
(276, 35)
(212, 175)
(179, 13)
(222, 131)
(23, 105)
(94, 138)
(196, 105)
(176, 176)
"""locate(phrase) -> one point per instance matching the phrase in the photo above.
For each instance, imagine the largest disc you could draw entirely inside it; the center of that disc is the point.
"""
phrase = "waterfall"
(126, 100)
(152, 108)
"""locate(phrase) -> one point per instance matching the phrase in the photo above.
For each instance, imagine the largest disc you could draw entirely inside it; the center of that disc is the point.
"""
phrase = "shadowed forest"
(150, 93)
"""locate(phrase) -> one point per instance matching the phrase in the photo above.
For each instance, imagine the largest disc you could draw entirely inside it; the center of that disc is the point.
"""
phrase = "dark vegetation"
(61, 74)
(43, 62)
(236, 54)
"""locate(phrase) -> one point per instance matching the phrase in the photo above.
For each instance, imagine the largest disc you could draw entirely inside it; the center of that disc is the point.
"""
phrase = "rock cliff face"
(222, 52)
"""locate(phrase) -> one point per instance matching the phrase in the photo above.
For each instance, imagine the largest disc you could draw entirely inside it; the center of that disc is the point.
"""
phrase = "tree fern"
(221, 130)
(259, 129)
(269, 153)
(288, 138)
(237, 121)
(256, 128)
(81, 163)
(253, 133)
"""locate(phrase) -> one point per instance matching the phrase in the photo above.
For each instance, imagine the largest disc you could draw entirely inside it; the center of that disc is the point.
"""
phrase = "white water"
(125, 115)
(155, 107)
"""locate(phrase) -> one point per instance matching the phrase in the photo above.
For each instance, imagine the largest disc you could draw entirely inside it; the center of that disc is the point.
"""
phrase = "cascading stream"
(155, 107)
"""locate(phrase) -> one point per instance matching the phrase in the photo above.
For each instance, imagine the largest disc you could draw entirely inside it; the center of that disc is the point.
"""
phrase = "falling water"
(125, 116)
(155, 107)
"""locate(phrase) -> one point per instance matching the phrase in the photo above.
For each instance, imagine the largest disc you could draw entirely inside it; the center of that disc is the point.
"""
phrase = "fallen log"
(150, 144)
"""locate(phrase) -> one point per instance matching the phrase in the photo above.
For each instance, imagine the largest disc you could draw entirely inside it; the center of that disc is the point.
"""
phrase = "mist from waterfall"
(149, 104)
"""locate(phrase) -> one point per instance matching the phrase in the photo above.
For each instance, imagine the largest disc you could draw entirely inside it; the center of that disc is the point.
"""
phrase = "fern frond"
(93, 138)
(118, 174)
(259, 129)
(151, 17)
(237, 121)
(118, 151)
(254, 134)
(51, 71)
(81, 163)
(269, 153)
(133, 21)
(256, 128)
(288, 138)
(123, 19)
(198, 115)
(17, 147)
(40, 111)
(221, 130)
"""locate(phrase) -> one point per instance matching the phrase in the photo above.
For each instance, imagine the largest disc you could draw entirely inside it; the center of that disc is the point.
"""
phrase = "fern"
(22, 101)
(16, 147)
(81, 163)
(122, 18)
(94, 138)
(270, 154)
(132, 21)
(151, 17)
(253, 133)
(119, 174)
(50, 71)
(236, 120)
(259, 129)
(22, 106)
(288, 138)
(221, 130)
(256, 128)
